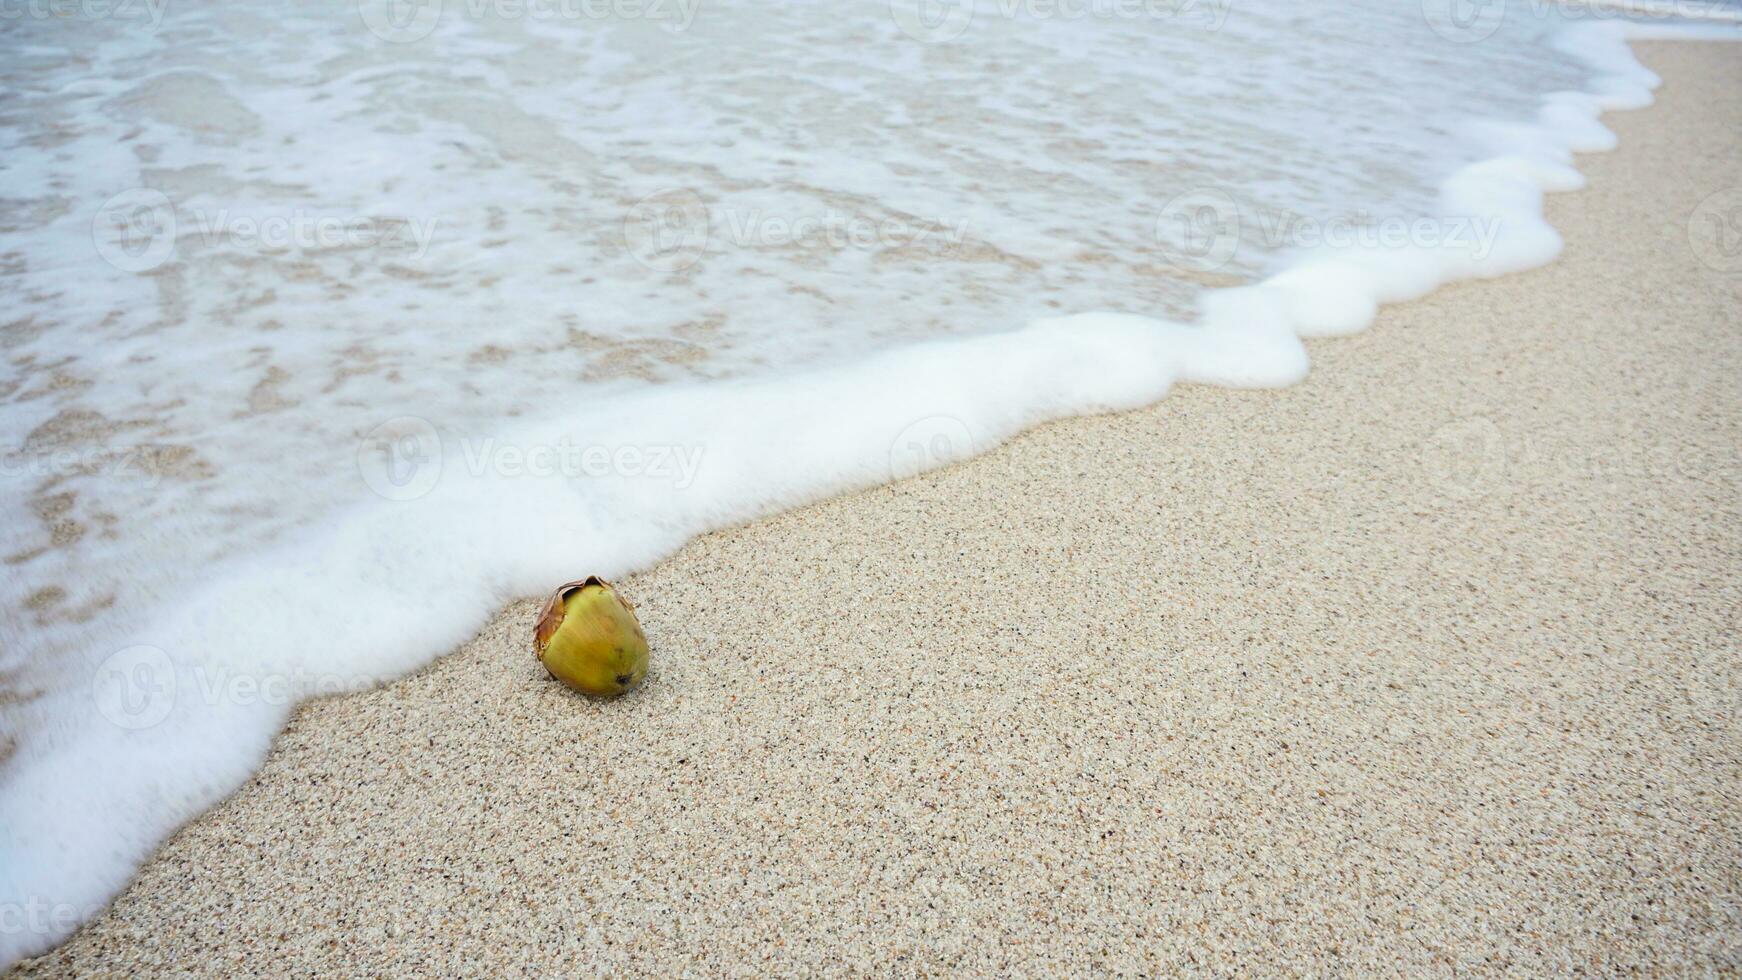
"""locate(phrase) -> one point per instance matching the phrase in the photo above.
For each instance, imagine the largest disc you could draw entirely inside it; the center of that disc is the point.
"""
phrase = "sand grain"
(1427, 663)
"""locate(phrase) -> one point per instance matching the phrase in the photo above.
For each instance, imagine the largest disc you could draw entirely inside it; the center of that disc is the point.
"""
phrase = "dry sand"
(1429, 662)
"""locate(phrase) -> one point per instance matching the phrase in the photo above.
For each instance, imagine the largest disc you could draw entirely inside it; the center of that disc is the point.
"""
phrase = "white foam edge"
(387, 588)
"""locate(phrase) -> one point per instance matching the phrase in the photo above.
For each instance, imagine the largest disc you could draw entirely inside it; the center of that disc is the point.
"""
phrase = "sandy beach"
(1428, 663)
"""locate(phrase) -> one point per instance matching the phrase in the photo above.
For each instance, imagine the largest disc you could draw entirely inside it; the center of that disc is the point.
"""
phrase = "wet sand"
(1427, 663)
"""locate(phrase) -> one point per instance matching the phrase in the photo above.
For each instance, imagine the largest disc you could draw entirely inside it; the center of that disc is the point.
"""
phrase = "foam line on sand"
(1427, 662)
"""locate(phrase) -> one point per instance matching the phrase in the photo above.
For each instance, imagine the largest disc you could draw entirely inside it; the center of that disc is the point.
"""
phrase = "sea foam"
(166, 697)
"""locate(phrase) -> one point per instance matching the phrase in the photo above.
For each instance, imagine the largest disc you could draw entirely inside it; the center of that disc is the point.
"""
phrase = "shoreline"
(969, 550)
(97, 785)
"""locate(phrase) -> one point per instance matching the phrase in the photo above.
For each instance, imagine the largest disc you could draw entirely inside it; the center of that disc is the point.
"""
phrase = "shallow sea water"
(234, 241)
(242, 250)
